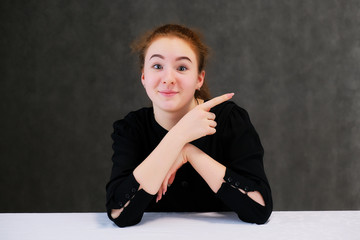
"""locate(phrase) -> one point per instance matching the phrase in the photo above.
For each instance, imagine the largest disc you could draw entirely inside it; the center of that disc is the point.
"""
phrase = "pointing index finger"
(216, 101)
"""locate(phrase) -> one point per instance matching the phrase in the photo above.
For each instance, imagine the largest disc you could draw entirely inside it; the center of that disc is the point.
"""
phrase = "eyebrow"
(185, 58)
(177, 59)
(156, 55)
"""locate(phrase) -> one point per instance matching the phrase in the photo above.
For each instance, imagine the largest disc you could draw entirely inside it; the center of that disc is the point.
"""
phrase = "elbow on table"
(259, 214)
(124, 220)
(121, 222)
(258, 219)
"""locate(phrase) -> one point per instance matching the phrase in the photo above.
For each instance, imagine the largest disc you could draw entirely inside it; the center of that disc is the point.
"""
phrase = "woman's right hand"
(200, 122)
(170, 176)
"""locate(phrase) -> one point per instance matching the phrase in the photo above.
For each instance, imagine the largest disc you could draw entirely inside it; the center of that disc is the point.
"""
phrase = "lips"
(168, 93)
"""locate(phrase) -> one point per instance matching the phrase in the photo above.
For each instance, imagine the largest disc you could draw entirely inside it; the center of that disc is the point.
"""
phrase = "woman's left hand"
(170, 176)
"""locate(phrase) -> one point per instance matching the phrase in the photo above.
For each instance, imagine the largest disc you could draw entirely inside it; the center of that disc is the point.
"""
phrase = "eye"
(157, 66)
(182, 68)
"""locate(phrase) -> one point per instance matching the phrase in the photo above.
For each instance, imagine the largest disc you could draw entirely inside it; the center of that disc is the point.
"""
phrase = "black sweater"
(235, 144)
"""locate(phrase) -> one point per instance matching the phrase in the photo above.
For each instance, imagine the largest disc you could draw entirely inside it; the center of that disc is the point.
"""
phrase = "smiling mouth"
(168, 93)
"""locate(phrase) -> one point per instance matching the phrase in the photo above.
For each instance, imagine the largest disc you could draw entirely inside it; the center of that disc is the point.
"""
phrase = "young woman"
(186, 152)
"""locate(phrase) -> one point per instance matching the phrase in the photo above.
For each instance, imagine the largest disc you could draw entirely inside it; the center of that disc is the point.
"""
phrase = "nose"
(169, 78)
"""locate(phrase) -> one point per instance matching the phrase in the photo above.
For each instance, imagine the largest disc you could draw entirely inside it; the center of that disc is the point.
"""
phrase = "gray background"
(67, 74)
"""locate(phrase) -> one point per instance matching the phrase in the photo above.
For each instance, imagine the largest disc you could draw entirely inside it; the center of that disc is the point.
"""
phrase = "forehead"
(170, 46)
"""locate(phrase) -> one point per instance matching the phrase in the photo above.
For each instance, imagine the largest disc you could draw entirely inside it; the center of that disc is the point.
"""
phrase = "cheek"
(190, 81)
(188, 86)
(150, 79)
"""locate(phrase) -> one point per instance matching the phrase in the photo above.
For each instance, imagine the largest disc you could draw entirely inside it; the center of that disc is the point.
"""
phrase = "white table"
(184, 226)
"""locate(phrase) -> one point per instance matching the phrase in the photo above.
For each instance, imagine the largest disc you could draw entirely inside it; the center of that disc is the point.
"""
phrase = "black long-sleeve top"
(235, 144)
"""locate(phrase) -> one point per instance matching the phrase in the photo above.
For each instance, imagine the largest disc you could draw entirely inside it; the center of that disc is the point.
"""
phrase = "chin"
(169, 107)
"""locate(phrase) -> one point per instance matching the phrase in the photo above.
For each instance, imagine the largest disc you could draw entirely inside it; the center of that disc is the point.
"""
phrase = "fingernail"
(230, 95)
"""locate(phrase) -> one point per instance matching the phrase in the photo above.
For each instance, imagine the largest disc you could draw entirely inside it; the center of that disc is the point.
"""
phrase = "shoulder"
(133, 121)
(232, 119)
(230, 111)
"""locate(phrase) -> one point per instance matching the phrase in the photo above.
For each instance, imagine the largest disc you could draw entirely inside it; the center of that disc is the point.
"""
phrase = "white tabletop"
(184, 226)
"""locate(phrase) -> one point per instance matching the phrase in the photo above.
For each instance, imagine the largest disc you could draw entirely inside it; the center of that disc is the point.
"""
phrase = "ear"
(201, 78)
(143, 78)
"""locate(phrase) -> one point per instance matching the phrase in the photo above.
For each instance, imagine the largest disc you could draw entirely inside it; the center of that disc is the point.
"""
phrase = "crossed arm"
(154, 173)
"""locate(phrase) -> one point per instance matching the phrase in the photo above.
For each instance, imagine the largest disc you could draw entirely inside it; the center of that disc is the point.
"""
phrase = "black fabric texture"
(235, 144)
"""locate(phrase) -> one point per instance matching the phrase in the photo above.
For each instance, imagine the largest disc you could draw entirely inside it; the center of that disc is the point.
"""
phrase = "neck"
(168, 119)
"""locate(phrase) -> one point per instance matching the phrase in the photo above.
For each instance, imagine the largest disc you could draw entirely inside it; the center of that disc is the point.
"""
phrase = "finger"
(159, 195)
(165, 184)
(216, 101)
(211, 116)
(211, 131)
(212, 124)
(172, 178)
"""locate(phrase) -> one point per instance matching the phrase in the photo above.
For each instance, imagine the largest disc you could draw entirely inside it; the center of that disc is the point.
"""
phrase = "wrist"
(176, 134)
(189, 151)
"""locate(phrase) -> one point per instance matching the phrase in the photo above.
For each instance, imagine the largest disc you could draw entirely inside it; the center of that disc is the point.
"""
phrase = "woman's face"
(170, 75)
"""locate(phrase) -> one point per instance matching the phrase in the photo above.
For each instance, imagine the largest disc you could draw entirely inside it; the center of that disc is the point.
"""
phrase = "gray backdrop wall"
(67, 74)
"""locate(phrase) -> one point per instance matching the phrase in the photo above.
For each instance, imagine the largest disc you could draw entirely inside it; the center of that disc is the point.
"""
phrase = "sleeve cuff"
(238, 181)
(123, 193)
